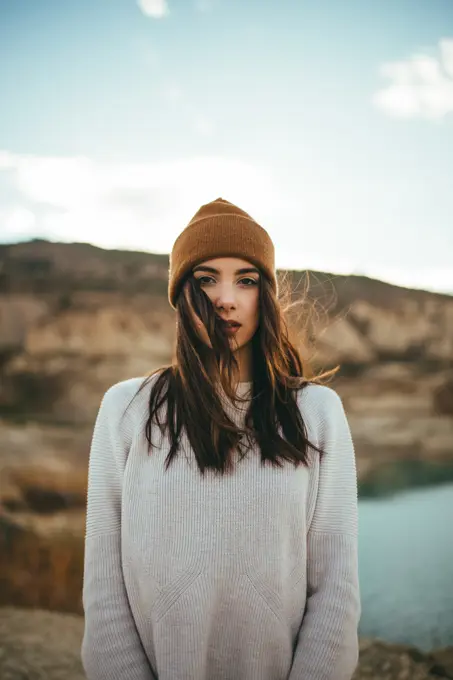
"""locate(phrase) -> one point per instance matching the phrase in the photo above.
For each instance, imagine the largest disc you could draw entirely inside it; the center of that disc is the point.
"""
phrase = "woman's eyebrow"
(244, 270)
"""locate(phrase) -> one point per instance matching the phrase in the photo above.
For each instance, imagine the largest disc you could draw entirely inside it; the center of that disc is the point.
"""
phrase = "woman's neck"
(244, 359)
(243, 374)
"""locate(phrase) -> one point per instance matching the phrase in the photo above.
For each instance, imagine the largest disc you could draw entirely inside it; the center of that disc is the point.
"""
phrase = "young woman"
(221, 539)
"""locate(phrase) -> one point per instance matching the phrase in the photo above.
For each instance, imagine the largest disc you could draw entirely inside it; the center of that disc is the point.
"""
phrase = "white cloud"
(154, 8)
(137, 206)
(421, 86)
(446, 49)
(17, 222)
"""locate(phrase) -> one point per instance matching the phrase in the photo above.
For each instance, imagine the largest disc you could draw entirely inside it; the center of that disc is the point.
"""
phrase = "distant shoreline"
(404, 475)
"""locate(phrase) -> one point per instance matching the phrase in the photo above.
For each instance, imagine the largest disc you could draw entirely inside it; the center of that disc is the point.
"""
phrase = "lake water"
(406, 567)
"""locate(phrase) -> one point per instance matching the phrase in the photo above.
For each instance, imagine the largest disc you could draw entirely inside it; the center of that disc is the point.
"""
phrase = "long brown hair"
(190, 390)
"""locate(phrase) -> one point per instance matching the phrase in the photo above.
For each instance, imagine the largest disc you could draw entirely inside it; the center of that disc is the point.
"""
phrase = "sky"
(330, 122)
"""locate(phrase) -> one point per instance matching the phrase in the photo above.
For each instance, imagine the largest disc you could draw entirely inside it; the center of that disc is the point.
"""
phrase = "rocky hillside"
(74, 319)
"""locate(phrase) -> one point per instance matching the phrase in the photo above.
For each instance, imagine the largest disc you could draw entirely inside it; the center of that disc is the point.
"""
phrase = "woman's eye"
(205, 280)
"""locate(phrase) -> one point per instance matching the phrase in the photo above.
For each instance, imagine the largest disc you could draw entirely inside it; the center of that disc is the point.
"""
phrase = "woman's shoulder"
(133, 392)
(319, 404)
(124, 389)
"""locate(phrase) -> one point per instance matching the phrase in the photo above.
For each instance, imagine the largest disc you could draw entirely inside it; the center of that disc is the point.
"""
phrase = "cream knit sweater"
(252, 576)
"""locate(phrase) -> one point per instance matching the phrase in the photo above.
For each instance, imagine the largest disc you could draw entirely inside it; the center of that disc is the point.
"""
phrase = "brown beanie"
(219, 229)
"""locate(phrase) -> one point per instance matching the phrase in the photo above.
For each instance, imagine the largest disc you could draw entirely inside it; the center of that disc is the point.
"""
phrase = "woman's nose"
(226, 298)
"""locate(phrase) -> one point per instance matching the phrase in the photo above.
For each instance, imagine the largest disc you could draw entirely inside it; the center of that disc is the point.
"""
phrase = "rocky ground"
(40, 645)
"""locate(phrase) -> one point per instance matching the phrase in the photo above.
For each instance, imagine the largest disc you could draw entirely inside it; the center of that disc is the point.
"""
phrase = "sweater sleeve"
(111, 647)
(328, 645)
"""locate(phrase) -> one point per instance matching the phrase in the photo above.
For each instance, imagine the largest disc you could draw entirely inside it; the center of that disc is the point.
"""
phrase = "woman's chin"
(236, 345)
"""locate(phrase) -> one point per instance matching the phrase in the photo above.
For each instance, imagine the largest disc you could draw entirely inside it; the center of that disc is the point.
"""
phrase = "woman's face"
(232, 285)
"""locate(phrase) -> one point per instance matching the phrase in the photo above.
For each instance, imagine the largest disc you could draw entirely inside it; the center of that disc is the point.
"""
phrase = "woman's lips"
(231, 330)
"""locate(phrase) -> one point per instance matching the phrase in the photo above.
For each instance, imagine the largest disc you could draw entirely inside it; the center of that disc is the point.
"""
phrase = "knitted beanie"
(219, 229)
